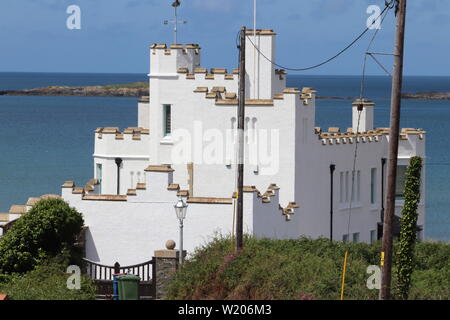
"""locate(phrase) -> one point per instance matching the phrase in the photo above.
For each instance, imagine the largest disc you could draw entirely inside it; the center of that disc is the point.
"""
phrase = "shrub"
(300, 269)
(46, 282)
(50, 227)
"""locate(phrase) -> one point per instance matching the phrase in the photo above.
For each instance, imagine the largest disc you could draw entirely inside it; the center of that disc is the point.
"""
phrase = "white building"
(183, 145)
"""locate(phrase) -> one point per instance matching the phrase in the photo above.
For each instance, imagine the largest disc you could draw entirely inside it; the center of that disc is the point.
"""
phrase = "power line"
(387, 6)
(355, 155)
(363, 78)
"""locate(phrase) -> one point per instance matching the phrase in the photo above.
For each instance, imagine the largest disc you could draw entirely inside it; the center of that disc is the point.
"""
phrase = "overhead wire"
(353, 194)
(387, 7)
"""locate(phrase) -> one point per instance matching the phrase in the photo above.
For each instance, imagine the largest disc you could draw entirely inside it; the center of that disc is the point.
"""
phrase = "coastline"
(139, 89)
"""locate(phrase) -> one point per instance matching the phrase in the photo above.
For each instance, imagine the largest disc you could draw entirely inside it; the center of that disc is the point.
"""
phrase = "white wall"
(129, 231)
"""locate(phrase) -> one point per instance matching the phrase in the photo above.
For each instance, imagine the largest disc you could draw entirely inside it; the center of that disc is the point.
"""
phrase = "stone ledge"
(248, 102)
(105, 197)
(210, 200)
(131, 192)
(18, 209)
(159, 168)
(173, 187)
(68, 184)
(168, 254)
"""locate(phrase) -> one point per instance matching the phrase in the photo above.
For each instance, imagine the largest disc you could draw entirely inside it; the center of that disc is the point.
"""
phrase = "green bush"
(298, 269)
(50, 227)
(45, 282)
(408, 229)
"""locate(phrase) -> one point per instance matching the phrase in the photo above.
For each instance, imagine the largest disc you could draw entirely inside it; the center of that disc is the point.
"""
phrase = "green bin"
(128, 287)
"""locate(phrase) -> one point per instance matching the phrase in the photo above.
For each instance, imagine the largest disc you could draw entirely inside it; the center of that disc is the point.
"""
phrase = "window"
(346, 186)
(132, 180)
(98, 174)
(356, 237)
(373, 236)
(373, 185)
(358, 186)
(400, 182)
(167, 120)
(345, 237)
(356, 183)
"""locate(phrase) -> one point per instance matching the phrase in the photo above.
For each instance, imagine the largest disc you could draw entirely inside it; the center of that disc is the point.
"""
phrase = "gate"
(102, 276)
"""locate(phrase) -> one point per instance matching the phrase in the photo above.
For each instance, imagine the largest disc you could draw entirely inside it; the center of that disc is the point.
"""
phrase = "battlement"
(166, 60)
(132, 141)
(203, 74)
(334, 136)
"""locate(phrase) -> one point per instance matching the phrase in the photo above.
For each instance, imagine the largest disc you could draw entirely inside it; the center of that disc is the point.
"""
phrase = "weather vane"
(175, 21)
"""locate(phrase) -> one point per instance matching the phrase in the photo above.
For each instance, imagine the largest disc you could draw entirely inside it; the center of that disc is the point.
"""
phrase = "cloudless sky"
(115, 34)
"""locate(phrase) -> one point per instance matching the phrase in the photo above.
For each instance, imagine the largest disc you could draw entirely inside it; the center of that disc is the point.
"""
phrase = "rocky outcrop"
(431, 95)
(137, 89)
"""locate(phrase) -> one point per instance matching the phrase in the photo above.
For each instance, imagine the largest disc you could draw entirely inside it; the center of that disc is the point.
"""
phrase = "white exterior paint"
(130, 227)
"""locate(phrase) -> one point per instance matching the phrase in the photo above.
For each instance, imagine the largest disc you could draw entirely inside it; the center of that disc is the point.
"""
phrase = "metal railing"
(99, 271)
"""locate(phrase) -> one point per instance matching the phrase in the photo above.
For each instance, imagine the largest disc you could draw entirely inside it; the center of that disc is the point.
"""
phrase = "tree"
(49, 228)
(408, 227)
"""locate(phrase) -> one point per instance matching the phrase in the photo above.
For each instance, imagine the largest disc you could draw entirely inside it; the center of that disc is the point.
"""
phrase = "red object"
(3, 296)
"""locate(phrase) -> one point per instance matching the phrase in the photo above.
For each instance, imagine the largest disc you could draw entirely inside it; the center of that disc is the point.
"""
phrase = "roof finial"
(175, 21)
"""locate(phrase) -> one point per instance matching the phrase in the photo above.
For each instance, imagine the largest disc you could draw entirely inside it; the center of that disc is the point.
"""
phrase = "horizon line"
(289, 74)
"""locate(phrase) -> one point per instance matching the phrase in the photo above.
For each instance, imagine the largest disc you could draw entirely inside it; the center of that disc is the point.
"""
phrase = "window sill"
(167, 140)
(346, 206)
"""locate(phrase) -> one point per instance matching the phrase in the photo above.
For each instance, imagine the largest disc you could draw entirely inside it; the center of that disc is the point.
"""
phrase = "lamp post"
(180, 210)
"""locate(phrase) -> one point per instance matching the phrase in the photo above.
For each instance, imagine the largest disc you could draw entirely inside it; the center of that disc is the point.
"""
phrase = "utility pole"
(332, 168)
(240, 164)
(386, 268)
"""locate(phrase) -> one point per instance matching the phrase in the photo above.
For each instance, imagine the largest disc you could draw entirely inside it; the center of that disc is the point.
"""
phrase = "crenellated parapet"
(223, 98)
(133, 141)
(167, 60)
(203, 74)
(335, 137)
(269, 201)
(135, 132)
(16, 211)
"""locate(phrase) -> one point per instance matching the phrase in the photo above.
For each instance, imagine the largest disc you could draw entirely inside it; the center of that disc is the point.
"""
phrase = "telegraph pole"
(240, 164)
(385, 291)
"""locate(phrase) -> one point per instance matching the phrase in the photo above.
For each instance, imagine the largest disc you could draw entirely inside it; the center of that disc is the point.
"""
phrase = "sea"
(45, 141)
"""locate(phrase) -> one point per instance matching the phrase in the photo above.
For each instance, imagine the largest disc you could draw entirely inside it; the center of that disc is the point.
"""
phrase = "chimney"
(260, 72)
(366, 119)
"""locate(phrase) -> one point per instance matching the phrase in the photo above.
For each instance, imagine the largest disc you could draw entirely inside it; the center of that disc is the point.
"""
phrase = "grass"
(300, 269)
(45, 282)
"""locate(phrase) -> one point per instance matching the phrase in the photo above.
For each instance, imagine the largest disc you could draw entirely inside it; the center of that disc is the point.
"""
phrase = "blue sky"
(115, 34)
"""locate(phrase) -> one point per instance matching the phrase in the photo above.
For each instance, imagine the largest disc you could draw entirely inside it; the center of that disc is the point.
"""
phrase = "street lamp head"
(180, 209)
(176, 3)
